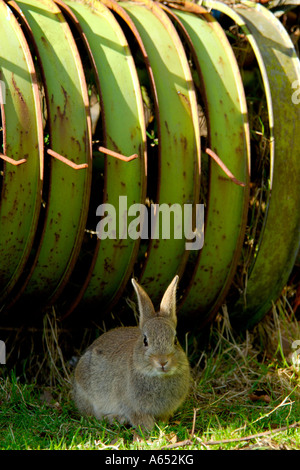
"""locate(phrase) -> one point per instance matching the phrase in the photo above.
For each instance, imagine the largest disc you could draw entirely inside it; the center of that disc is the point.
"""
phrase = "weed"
(245, 394)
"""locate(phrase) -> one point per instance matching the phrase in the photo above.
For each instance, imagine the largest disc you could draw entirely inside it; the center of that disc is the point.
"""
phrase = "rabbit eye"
(145, 341)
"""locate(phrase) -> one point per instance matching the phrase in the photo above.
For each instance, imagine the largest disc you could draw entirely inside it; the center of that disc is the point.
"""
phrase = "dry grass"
(245, 393)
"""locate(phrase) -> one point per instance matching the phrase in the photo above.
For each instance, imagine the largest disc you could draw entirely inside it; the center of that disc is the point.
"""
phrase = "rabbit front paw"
(143, 421)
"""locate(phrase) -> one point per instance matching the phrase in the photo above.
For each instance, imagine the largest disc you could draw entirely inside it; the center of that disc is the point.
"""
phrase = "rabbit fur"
(135, 374)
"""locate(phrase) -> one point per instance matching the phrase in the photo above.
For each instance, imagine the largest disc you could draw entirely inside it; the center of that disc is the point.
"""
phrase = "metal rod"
(11, 160)
(117, 155)
(66, 160)
(217, 159)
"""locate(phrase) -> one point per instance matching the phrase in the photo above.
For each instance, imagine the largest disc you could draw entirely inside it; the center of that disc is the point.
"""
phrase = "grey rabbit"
(135, 374)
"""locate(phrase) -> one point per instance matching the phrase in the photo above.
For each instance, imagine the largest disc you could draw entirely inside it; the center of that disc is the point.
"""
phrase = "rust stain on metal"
(66, 100)
(76, 141)
(17, 89)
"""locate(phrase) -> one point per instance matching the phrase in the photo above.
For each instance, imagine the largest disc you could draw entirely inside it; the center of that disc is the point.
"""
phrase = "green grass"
(241, 387)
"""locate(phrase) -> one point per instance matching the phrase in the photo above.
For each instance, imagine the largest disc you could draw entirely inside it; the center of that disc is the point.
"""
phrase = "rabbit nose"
(163, 363)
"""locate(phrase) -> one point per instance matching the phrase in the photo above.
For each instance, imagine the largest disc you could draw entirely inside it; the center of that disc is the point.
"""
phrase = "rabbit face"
(159, 347)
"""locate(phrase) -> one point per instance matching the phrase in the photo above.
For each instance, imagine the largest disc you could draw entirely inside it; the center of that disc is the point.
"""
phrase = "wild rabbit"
(135, 374)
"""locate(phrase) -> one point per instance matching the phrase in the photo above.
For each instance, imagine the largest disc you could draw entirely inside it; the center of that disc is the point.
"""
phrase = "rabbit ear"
(145, 305)
(168, 303)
